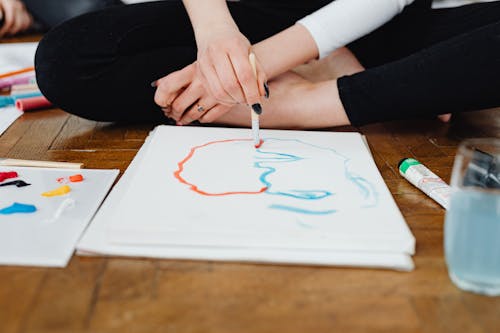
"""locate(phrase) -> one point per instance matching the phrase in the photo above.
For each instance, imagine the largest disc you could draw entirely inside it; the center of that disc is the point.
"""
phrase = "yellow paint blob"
(58, 191)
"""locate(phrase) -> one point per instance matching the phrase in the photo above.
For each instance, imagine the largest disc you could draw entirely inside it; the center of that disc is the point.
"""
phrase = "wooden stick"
(40, 164)
(255, 116)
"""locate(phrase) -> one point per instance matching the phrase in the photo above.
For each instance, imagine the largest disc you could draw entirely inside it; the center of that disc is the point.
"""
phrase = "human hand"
(184, 98)
(15, 17)
(226, 70)
(445, 118)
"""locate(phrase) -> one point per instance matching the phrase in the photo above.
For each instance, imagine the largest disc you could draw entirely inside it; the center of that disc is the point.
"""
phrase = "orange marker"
(21, 71)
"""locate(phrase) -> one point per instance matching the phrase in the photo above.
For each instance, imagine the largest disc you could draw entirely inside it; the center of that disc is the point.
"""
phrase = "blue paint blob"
(18, 208)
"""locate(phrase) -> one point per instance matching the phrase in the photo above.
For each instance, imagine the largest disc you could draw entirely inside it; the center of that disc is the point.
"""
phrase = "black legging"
(53, 12)
(424, 62)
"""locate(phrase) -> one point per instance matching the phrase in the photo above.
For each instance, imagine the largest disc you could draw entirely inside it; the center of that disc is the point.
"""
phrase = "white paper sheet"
(15, 56)
(8, 116)
(94, 242)
(42, 238)
(323, 192)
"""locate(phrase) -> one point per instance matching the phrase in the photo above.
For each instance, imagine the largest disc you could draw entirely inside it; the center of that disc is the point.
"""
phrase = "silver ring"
(200, 108)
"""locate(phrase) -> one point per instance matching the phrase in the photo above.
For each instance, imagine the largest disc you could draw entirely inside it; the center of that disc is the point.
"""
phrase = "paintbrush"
(255, 116)
(39, 164)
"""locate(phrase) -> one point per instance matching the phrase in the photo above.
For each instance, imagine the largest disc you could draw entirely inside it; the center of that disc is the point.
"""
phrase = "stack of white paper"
(48, 235)
(207, 193)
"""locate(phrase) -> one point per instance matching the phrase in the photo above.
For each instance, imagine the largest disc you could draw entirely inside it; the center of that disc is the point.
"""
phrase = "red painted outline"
(177, 173)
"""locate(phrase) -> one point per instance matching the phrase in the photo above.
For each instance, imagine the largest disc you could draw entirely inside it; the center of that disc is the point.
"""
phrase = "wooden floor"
(141, 295)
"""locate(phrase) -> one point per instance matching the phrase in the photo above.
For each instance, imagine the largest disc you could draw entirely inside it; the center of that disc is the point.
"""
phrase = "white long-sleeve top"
(343, 21)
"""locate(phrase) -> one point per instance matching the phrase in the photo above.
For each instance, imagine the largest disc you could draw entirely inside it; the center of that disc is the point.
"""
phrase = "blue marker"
(11, 100)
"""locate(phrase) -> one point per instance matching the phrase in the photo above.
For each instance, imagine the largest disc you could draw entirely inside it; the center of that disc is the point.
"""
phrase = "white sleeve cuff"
(343, 21)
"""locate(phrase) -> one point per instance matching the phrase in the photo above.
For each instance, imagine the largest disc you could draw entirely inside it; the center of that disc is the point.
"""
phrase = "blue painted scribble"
(301, 210)
(366, 189)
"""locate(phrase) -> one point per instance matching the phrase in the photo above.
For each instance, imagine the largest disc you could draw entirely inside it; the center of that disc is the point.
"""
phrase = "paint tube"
(425, 180)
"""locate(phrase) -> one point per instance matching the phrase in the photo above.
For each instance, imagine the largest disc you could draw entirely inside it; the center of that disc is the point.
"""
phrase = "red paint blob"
(8, 175)
(177, 173)
(260, 144)
(76, 178)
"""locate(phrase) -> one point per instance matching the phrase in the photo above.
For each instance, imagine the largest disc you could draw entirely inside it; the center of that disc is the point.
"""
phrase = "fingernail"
(266, 89)
(257, 108)
(154, 84)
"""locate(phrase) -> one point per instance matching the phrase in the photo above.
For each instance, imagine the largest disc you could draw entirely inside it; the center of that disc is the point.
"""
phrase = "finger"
(167, 110)
(228, 77)
(169, 86)
(214, 113)
(262, 80)
(21, 18)
(18, 23)
(246, 77)
(185, 100)
(211, 80)
(201, 107)
(9, 20)
(27, 22)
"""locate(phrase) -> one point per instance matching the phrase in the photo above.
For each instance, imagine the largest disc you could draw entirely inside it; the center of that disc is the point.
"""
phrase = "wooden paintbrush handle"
(40, 164)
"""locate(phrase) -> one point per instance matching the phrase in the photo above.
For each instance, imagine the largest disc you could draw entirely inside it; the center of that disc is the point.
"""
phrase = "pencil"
(255, 115)
(20, 71)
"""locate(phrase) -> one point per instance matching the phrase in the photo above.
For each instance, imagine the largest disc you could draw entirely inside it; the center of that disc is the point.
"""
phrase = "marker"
(425, 180)
(33, 103)
(20, 71)
(28, 87)
(10, 81)
(255, 109)
(11, 100)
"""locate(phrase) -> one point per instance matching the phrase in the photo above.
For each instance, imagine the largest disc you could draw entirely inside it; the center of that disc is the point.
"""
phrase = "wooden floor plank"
(65, 298)
(40, 135)
(18, 288)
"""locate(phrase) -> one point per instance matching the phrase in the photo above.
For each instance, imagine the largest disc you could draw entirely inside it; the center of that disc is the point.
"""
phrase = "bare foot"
(294, 103)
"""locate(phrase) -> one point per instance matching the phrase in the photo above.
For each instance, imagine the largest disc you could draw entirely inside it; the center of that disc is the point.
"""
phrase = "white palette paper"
(268, 235)
(15, 56)
(39, 239)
